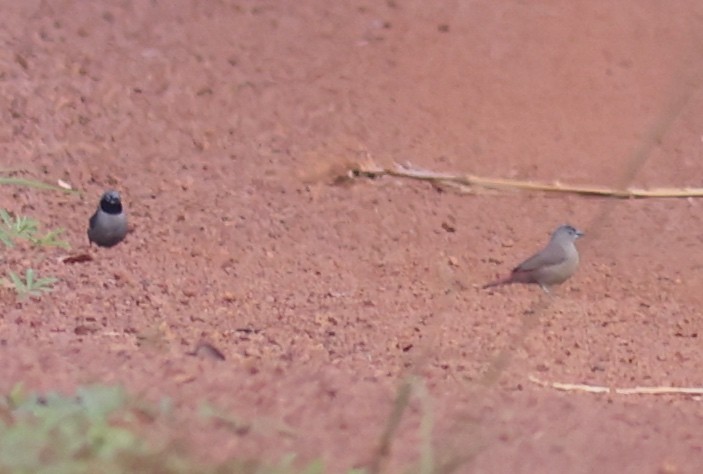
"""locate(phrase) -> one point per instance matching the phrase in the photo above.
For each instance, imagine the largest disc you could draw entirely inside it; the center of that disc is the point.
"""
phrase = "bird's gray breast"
(560, 270)
(107, 229)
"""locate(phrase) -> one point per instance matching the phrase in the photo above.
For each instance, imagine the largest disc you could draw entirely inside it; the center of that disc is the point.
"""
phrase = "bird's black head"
(111, 203)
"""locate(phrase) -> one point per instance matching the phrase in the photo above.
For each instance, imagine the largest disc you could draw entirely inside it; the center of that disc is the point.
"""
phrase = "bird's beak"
(580, 234)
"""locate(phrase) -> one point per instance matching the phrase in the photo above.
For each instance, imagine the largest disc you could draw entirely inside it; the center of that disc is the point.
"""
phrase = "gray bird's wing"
(93, 220)
(550, 255)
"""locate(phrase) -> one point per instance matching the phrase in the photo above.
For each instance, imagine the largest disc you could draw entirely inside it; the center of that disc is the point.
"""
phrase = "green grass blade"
(30, 183)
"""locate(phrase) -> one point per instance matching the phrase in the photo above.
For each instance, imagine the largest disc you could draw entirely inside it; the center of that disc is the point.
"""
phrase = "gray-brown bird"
(552, 265)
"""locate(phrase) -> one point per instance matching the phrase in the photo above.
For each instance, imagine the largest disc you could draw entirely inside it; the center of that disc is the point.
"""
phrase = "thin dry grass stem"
(572, 387)
(427, 461)
(530, 319)
(411, 385)
(31, 183)
(384, 445)
(470, 183)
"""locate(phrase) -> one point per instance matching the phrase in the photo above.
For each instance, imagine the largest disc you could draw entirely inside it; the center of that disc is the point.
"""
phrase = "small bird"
(552, 265)
(108, 226)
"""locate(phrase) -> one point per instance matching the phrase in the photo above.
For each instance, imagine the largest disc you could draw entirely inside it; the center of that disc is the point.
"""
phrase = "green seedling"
(31, 285)
(50, 239)
(97, 430)
(62, 434)
(26, 228)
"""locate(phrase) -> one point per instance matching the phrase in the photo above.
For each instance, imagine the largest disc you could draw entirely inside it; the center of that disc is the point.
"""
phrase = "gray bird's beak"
(580, 233)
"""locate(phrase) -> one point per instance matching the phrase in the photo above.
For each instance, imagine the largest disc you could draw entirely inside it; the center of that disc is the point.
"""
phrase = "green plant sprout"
(56, 433)
(26, 228)
(98, 430)
(31, 285)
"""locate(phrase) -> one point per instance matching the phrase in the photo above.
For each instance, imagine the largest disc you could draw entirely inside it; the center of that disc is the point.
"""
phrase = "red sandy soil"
(224, 124)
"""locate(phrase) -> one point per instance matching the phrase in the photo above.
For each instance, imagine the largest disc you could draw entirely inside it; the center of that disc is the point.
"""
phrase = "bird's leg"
(545, 288)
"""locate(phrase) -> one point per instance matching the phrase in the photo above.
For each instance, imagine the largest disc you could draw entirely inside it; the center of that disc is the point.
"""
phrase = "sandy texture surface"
(224, 123)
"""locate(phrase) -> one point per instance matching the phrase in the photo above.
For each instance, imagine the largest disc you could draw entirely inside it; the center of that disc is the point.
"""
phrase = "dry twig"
(620, 391)
(468, 183)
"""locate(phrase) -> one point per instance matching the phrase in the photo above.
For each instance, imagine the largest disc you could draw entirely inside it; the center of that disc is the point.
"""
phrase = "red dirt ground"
(223, 124)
